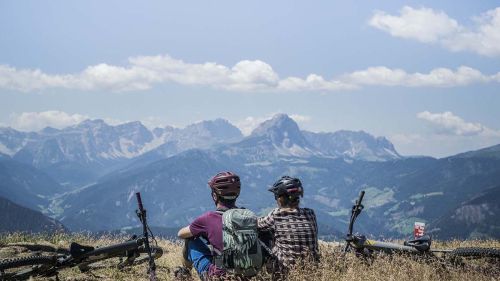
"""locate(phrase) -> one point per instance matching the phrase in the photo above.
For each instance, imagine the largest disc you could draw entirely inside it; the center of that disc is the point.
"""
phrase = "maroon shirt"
(209, 226)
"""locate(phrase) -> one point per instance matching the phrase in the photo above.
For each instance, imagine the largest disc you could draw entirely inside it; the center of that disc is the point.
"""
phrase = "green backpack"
(242, 253)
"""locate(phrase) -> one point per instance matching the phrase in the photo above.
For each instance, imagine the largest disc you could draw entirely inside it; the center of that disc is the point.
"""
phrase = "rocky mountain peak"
(90, 124)
(135, 126)
(219, 129)
(278, 123)
(282, 133)
(49, 131)
(353, 144)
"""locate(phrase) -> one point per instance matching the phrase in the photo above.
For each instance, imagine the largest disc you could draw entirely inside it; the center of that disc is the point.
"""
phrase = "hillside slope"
(15, 218)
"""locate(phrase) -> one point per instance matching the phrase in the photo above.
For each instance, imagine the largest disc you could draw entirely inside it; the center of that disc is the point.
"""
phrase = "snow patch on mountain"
(6, 150)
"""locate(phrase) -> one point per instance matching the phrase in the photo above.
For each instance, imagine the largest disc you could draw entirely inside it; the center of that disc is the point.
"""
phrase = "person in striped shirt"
(293, 229)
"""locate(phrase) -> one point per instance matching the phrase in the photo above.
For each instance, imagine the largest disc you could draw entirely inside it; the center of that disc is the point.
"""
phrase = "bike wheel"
(476, 252)
(484, 260)
(24, 267)
(33, 247)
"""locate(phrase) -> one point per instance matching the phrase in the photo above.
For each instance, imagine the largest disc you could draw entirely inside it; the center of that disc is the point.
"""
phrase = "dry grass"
(334, 266)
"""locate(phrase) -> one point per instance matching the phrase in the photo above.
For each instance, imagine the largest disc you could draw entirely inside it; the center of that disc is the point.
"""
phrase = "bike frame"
(141, 213)
(360, 242)
(105, 252)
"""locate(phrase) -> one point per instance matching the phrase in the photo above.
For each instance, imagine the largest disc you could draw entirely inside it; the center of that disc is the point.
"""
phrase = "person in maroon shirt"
(203, 237)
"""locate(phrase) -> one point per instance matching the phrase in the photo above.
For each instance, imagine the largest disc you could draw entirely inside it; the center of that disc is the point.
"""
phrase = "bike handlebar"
(356, 210)
(141, 213)
(361, 195)
(139, 201)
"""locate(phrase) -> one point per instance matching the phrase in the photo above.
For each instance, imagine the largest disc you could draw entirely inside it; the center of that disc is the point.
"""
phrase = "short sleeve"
(199, 226)
(266, 223)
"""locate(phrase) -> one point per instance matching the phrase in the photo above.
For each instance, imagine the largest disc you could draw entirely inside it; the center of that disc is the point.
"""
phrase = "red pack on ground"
(418, 229)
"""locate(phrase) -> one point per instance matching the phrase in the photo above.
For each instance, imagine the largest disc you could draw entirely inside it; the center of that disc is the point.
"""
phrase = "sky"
(424, 74)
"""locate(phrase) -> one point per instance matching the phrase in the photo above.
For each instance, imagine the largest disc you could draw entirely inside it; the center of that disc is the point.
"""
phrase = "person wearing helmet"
(204, 235)
(293, 229)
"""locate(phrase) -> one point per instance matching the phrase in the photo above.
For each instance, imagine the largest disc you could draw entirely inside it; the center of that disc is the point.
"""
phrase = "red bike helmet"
(226, 185)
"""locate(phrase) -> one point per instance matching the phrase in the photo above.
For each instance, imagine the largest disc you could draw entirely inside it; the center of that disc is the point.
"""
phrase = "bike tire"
(40, 248)
(25, 267)
(476, 252)
(25, 261)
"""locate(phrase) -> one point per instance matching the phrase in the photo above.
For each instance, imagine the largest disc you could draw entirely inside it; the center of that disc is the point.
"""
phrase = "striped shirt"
(295, 234)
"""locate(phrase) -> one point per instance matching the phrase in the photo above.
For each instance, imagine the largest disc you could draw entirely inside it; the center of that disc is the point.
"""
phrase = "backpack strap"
(221, 210)
(212, 249)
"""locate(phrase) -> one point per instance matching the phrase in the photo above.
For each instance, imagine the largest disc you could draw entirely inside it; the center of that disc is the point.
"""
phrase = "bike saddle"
(76, 250)
(422, 243)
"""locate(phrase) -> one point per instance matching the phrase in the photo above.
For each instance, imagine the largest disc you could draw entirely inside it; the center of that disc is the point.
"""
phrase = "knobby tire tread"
(476, 252)
(24, 261)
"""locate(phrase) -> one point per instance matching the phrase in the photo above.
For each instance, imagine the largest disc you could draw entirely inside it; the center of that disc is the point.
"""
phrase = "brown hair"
(288, 201)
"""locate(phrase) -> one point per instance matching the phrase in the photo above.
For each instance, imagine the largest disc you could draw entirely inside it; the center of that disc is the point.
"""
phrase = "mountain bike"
(136, 250)
(364, 247)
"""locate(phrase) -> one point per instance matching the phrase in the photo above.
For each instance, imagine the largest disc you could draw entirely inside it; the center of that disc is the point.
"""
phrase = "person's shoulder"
(208, 214)
(308, 210)
(272, 212)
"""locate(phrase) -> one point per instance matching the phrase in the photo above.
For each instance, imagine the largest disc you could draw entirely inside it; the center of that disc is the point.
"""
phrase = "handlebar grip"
(139, 200)
(361, 195)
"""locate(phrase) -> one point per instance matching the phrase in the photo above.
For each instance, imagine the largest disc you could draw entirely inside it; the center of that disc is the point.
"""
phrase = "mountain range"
(95, 169)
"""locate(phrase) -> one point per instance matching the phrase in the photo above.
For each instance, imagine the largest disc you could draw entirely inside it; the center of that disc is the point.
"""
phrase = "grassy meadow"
(333, 266)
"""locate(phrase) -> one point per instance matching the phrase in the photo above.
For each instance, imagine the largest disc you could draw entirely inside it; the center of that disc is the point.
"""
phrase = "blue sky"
(425, 74)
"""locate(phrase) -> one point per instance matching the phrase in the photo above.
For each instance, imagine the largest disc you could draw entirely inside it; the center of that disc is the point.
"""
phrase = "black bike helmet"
(287, 186)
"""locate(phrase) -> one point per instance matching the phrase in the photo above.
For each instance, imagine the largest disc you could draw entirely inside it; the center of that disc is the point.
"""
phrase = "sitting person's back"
(294, 229)
(295, 233)
(204, 237)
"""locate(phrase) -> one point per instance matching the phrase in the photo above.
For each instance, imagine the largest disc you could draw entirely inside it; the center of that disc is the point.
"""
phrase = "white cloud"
(300, 118)
(447, 123)
(424, 25)
(450, 135)
(248, 124)
(144, 72)
(152, 122)
(436, 27)
(438, 77)
(313, 82)
(252, 75)
(34, 121)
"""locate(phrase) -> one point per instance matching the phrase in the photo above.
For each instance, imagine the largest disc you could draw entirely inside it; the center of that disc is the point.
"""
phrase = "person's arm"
(196, 228)
(266, 223)
(315, 223)
(185, 233)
